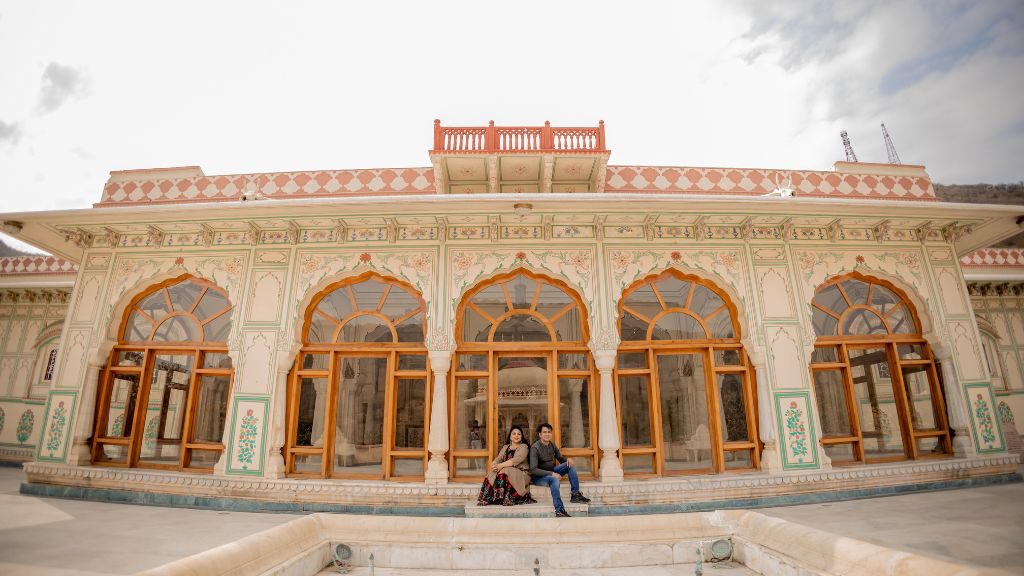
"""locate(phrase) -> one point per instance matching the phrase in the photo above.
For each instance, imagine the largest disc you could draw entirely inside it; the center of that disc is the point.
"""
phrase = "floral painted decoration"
(1005, 414)
(56, 431)
(25, 425)
(247, 439)
(796, 431)
(984, 417)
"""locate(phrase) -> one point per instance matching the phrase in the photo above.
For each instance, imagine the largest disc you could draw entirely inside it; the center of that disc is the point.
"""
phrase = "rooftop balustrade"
(492, 139)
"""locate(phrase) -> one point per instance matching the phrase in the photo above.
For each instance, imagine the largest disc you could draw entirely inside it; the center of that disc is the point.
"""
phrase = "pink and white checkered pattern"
(755, 182)
(36, 265)
(329, 183)
(994, 257)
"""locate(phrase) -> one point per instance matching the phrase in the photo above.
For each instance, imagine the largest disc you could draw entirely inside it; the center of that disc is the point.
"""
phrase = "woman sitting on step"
(508, 483)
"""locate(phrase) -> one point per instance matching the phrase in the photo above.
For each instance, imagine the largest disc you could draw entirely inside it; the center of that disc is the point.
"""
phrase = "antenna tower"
(890, 150)
(851, 156)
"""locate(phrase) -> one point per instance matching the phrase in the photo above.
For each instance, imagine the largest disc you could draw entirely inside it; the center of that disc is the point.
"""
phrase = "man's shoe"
(561, 514)
(579, 498)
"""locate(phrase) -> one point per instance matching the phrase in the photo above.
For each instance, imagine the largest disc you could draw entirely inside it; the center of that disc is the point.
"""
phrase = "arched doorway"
(522, 359)
(164, 394)
(358, 395)
(874, 376)
(685, 389)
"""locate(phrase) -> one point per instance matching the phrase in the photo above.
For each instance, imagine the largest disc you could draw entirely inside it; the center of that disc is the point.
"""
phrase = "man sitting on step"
(545, 470)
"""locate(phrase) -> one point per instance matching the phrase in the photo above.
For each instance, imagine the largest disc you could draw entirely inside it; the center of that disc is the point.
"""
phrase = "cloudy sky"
(89, 87)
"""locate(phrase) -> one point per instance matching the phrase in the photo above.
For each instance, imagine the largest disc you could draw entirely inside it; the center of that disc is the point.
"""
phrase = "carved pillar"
(81, 448)
(771, 461)
(275, 467)
(575, 414)
(608, 425)
(956, 407)
(437, 441)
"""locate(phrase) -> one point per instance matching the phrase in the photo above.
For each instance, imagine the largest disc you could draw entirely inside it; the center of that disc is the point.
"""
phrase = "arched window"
(359, 395)
(164, 397)
(684, 387)
(874, 376)
(521, 359)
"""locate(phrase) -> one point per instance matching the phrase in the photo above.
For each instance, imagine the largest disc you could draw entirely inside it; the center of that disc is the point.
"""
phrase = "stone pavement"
(38, 536)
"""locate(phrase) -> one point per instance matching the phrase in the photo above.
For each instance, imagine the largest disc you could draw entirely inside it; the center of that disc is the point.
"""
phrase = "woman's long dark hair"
(508, 439)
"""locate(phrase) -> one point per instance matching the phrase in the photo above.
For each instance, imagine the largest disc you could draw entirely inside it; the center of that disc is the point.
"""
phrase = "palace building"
(344, 339)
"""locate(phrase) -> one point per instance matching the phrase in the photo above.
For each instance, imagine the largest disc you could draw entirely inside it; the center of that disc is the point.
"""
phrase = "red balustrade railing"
(492, 139)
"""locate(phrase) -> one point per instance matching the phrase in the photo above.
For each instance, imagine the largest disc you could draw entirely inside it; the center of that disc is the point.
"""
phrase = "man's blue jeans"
(555, 484)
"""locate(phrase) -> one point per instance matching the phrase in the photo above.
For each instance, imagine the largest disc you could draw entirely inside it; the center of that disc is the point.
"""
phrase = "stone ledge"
(644, 496)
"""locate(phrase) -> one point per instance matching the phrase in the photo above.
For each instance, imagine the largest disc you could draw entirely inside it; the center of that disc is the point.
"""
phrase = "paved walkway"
(52, 537)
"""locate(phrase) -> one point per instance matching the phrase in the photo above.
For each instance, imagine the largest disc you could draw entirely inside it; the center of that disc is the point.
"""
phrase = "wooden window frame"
(706, 348)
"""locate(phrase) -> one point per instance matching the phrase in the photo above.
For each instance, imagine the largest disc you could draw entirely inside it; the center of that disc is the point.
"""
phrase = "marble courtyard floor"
(981, 527)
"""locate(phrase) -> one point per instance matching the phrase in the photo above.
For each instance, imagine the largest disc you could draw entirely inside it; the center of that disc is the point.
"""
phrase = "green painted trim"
(1004, 393)
(234, 418)
(987, 386)
(43, 402)
(813, 440)
(46, 421)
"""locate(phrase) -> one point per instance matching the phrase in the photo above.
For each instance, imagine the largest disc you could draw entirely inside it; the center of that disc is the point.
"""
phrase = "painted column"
(956, 408)
(279, 400)
(608, 425)
(437, 441)
(81, 449)
(771, 462)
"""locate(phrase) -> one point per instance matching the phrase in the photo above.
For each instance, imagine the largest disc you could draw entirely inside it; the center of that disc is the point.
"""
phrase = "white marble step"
(539, 510)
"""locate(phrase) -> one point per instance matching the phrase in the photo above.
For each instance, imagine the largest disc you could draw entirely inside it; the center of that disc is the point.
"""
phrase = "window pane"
(365, 328)
(178, 329)
(551, 300)
(704, 301)
(165, 413)
(522, 328)
(399, 303)
(739, 459)
(204, 459)
(863, 322)
(337, 304)
(216, 360)
(368, 293)
(685, 430)
(632, 360)
(824, 325)
(825, 354)
(124, 391)
(635, 406)
(901, 321)
(410, 404)
(321, 329)
(407, 467)
(931, 446)
(470, 362)
(359, 425)
(632, 328)
(411, 329)
(923, 411)
(674, 291)
(567, 327)
(308, 463)
(113, 453)
(138, 328)
(412, 362)
(732, 407)
(470, 466)
(728, 357)
(830, 391)
(316, 362)
(521, 289)
(873, 393)
(720, 325)
(574, 406)
(911, 352)
(584, 465)
(840, 453)
(475, 328)
(491, 300)
(217, 330)
(211, 303)
(309, 429)
(211, 408)
(522, 394)
(856, 290)
(644, 301)
(678, 326)
(471, 413)
(883, 299)
(129, 358)
(573, 361)
(638, 463)
(830, 298)
(183, 295)
(154, 305)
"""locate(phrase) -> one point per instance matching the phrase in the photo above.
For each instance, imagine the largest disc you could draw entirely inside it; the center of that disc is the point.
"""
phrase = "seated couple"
(517, 466)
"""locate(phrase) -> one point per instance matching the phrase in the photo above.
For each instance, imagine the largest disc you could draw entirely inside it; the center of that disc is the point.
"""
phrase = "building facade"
(368, 336)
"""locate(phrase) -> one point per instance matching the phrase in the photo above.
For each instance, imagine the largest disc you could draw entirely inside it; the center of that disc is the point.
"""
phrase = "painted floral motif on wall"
(25, 425)
(149, 435)
(247, 439)
(117, 428)
(2, 418)
(57, 421)
(983, 416)
(796, 431)
(1005, 415)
